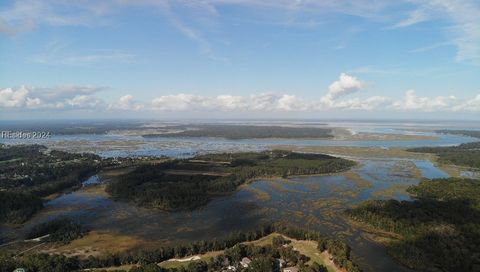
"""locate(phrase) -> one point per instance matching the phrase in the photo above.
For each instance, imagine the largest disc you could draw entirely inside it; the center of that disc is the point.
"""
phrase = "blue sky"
(239, 58)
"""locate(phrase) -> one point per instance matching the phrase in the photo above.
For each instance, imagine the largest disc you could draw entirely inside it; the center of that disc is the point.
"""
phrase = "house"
(291, 269)
(231, 268)
(245, 262)
(281, 262)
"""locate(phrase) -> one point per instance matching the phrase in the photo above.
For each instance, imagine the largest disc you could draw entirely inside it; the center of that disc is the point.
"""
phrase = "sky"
(240, 59)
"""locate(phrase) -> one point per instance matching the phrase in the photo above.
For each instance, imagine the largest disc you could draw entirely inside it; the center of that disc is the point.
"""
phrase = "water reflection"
(314, 202)
(429, 171)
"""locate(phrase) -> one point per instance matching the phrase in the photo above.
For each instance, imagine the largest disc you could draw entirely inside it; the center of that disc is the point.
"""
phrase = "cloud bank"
(58, 98)
(343, 94)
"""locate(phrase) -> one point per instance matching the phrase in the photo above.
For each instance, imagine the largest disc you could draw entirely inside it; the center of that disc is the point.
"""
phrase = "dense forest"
(30, 172)
(233, 251)
(60, 229)
(189, 183)
(247, 132)
(440, 229)
(467, 154)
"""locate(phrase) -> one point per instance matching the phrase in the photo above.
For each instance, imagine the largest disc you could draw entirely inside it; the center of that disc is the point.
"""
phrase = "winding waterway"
(314, 202)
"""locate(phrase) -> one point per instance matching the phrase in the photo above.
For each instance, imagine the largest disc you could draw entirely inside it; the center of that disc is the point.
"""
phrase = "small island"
(189, 183)
(237, 132)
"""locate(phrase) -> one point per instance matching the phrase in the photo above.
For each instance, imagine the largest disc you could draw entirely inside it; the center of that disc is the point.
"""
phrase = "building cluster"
(246, 262)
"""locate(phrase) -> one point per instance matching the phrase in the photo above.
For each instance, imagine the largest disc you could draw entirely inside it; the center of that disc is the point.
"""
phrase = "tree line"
(61, 229)
(439, 229)
(467, 154)
(149, 258)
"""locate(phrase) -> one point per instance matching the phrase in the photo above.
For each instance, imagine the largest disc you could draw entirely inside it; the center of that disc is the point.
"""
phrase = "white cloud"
(413, 102)
(11, 98)
(345, 85)
(84, 102)
(415, 17)
(291, 103)
(230, 102)
(33, 102)
(178, 102)
(63, 97)
(464, 19)
(262, 102)
(428, 104)
(66, 98)
(197, 18)
(25, 15)
(370, 103)
(469, 105)
(271, 102)
(125, 102)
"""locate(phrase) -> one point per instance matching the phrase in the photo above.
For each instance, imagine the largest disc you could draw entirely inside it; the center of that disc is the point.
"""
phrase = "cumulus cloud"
(125, 102)
(83, 102)
(469, 105)
(271, 102)
(412, 101)
(264, 101)
(230, 102)
(291, 103)
(10, 98)
(345, 85)
(336, 97)
(261, 102)
(50, 98)
(178, 102)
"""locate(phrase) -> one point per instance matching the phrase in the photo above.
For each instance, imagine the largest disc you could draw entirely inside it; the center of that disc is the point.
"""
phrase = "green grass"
(203, 257)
